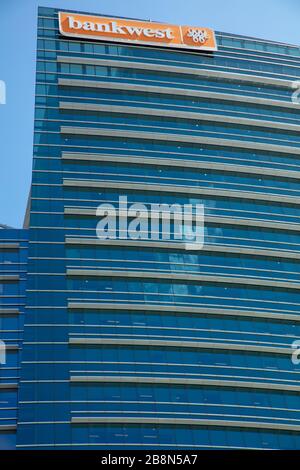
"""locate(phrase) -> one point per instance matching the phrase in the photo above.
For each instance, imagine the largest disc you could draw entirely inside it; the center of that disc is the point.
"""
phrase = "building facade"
(13, 270)
(139, 343)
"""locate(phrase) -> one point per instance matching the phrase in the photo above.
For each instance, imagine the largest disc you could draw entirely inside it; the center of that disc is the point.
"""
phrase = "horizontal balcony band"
(214, 74)
(184, 277)
(266, 252)
(131, 342)
(90, 212)
(114, 445)
(180, 189)
(183, 381)
(174, 91)
(180, 163)
(9, 311)
(9, 246)
(187, 115)
(8, 386)
(250, 52)
(185, 422)
(177, 309)
(193, 139)
(9, 278)
(7, 427)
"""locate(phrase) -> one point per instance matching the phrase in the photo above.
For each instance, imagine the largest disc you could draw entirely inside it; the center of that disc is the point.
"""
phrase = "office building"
(134, 343)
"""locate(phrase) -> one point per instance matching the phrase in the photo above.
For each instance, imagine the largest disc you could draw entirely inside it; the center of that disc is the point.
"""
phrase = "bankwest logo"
(140, 32)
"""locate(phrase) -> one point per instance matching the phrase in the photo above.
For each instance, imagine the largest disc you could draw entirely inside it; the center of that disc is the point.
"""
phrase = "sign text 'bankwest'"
(139, 32)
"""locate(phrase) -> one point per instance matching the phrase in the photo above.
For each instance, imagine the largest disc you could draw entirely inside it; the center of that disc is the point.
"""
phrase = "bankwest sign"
(138, 32)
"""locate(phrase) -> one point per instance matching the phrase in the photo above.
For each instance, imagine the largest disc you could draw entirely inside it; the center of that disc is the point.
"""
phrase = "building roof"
(5, 226)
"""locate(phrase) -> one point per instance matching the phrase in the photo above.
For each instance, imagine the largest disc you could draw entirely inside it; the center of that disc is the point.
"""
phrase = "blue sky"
(277, 20)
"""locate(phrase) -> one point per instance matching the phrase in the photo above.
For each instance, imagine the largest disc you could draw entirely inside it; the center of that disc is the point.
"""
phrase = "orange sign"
(138, 32)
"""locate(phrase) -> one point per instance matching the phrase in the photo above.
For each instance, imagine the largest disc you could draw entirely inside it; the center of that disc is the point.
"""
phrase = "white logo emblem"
(198, 35)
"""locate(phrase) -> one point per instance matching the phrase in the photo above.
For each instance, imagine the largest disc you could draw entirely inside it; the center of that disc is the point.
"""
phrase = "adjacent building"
(13, 270)
(142, 343)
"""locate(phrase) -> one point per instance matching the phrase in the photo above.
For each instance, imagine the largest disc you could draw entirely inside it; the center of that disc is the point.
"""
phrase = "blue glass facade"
(13, 269)
(148, 345)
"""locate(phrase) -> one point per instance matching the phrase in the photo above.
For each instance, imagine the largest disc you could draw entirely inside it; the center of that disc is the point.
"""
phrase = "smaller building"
(13, 267)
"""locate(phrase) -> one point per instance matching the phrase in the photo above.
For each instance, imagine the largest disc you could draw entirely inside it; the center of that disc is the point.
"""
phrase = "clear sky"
(277, 20)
